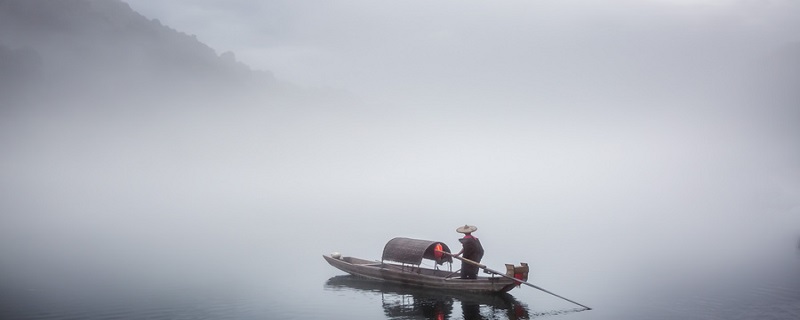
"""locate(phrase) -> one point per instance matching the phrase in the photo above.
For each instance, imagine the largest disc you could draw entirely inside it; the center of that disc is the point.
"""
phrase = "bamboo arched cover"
(412, 251)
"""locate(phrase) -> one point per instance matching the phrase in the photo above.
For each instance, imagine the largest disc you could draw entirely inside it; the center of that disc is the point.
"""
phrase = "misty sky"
(631, 108)
(615, 121)
(548, 86)
(508, 49)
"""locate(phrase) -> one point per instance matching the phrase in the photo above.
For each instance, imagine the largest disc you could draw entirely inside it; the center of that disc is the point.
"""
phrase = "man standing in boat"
(472, 250)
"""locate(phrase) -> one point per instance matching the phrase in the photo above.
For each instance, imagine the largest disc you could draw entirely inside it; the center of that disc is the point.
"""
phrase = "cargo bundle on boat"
(402, 263)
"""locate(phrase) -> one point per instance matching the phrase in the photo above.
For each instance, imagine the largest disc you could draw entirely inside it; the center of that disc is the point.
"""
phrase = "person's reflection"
(471, 310)
(402, 305)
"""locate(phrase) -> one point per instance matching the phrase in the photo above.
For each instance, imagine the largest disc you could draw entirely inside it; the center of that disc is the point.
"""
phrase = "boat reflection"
(403, 302)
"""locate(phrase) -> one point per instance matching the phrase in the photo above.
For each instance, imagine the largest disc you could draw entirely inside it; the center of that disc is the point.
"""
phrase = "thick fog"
(658, 129)
(508, 50)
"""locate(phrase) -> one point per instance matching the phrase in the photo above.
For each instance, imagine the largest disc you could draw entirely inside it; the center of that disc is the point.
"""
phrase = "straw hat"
(467, 229)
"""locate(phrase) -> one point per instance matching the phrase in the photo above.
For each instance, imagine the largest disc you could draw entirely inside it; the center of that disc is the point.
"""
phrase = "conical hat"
(467, 229)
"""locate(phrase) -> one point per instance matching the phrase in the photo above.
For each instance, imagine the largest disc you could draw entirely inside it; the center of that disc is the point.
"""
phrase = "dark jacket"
(473, 249)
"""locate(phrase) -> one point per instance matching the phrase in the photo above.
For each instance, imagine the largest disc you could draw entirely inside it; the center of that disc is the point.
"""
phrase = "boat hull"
(420, 277)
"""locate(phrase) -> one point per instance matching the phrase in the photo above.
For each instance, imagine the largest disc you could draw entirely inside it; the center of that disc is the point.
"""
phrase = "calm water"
(287, 280)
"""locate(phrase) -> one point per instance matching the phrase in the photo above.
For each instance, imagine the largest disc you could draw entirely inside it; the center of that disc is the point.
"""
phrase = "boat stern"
(518, 272)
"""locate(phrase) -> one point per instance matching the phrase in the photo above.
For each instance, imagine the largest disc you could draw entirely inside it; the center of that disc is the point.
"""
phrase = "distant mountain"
(103, 48)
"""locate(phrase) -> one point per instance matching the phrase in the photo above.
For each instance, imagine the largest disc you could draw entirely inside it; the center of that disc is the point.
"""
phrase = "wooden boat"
(401, 262)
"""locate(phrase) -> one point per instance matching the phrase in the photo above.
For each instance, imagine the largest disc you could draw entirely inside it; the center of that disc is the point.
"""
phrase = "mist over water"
(640, 168)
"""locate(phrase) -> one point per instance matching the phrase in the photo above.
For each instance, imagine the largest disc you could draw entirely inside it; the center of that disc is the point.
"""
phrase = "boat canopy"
(412, 251)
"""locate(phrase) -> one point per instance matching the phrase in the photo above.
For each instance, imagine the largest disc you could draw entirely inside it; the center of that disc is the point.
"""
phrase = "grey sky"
(619, 123)
(506, 99)
(388, 49)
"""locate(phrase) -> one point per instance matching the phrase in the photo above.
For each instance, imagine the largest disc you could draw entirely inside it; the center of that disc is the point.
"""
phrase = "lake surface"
(288, 279)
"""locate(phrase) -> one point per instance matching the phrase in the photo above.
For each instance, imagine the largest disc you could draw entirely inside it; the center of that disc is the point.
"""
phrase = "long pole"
(507, 276)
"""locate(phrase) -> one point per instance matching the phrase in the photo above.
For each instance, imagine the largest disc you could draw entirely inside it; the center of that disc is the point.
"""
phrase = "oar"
(507, 276)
